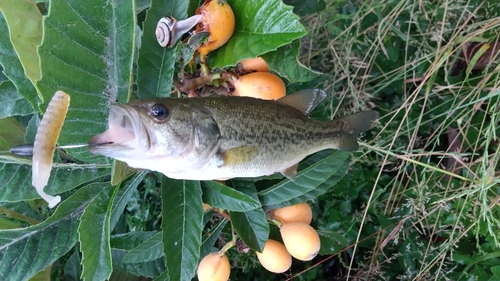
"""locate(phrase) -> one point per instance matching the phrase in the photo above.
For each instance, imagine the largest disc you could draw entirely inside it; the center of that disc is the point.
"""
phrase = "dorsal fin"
(305, 101)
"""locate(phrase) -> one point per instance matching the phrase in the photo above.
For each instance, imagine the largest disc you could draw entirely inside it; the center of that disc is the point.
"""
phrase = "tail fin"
(354, 125)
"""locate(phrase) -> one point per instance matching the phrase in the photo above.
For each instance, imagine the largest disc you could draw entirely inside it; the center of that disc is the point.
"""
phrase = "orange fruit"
(301, 240)
(218, 20)
(300, 212)
(275, 257)
(253, 65)
(262, 85)
(214, 267)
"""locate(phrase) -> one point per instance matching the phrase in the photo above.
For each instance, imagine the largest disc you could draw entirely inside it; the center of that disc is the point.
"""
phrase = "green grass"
(424, 203)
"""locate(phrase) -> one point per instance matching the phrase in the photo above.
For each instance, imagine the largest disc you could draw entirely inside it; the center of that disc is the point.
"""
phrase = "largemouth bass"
(224, 137)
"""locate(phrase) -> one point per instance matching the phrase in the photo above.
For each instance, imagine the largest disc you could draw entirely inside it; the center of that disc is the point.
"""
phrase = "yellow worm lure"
(45, 144)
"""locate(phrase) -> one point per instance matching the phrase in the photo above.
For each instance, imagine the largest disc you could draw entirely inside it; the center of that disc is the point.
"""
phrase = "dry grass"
(437, 137)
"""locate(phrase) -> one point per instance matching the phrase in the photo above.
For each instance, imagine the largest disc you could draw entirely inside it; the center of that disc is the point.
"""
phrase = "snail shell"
(166, 31)
(169, 30)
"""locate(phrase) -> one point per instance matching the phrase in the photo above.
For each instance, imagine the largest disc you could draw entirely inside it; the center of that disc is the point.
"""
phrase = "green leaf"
(48, 240)
(152, 248)
(306, 7)
(42, 275)
(211, 237)
(123, 197)
(11, 133)
(120, 172)
(149, 269)
(94, 233)
(252, 226)
(12, 66)
(16, 182)
(7, 224)
(496, 271)
(87, 51)
(141, 5)
(182, 223)
(149, 250)
(461, 258)
(163, 277)
(22, 212)
(11, 103)
(307, 180)
(261, 26)
(25, 28)
(155, 65)
(331, 242)
(319, 190)
(221, 196)
(31, 129)
(130, 240)
(72, 267)
(480, 272)
(284, 62)
(122, 243)
(120, 275)
(475, 58)
(391, 50)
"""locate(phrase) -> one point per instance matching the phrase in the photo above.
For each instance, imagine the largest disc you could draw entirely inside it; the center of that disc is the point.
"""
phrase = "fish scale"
(225, 137)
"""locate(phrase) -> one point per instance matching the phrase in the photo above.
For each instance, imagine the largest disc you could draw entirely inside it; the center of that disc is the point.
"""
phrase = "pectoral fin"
(237, 155)
(206, 134)
(290, 172)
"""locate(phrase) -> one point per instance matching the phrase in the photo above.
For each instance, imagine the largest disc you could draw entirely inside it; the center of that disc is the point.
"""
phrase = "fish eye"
(159, 112)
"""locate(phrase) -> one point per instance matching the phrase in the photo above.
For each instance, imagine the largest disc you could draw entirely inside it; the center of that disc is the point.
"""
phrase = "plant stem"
(18, 216)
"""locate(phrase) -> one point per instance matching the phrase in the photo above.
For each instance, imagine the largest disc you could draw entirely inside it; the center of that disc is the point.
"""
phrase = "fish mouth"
(126, 135)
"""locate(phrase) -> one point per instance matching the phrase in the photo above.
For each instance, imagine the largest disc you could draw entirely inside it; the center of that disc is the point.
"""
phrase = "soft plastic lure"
(45, 144)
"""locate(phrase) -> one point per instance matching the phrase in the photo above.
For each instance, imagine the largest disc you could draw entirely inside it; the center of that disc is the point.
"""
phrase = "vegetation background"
(419, 201)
